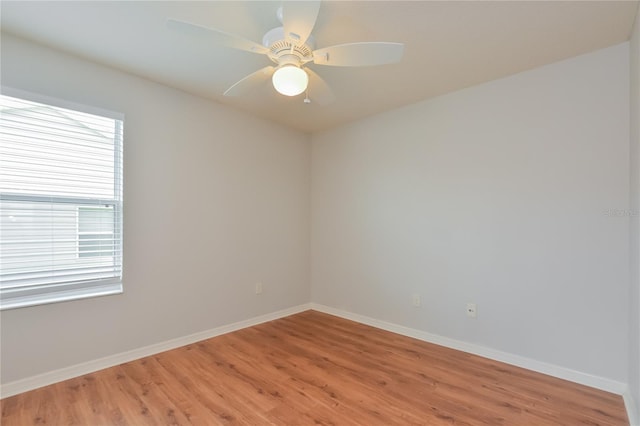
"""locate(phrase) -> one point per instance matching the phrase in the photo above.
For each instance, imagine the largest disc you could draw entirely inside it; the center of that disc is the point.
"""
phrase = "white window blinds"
(60, 203)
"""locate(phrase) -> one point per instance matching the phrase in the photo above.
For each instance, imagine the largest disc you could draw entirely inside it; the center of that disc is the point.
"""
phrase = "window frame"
(73, 290)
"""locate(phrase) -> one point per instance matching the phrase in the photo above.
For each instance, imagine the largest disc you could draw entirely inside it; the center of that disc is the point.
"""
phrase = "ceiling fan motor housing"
(284, 52)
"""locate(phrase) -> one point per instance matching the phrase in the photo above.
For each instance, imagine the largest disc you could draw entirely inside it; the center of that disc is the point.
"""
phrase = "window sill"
(22, 298)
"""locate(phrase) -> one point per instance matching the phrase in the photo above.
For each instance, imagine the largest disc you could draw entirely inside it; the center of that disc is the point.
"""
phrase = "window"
(95, 231)
(60, 201)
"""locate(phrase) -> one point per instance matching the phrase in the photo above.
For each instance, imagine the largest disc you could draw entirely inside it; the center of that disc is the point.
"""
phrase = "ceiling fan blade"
(319, 90)
(299, 18)
(250, 82)
(359, 54)
(216, 36)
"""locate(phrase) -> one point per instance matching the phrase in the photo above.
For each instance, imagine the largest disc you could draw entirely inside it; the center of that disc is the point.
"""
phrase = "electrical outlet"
(472, 310)
(259, 288)
(415, 300)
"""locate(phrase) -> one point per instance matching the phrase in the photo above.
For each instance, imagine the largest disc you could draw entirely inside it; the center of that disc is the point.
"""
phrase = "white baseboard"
(517, 360)
(34, 382)
(632, 409)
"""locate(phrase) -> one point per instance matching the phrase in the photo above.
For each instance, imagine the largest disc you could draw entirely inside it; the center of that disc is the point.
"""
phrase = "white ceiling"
(449, 45)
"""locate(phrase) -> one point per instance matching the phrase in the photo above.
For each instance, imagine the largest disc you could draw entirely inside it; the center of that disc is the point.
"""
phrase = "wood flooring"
(314, 369)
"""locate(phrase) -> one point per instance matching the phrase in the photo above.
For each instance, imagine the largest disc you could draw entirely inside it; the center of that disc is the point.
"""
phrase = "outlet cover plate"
(415, 301)
(472, 310)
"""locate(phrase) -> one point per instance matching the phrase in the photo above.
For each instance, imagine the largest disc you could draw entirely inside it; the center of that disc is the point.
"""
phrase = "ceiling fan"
(291, 47)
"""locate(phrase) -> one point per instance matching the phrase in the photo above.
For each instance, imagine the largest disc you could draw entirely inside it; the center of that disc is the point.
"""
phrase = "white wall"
(496, 195)
(634, 194)
(214, 201)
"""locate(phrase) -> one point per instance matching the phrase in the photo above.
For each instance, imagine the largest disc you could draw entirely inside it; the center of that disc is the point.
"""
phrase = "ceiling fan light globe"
(290, 80)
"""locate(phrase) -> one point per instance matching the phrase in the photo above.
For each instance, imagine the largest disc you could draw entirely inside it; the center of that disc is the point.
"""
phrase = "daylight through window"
(60, 203)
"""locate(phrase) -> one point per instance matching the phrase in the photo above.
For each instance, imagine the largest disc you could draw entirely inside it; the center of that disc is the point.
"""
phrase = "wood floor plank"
(314, 369)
